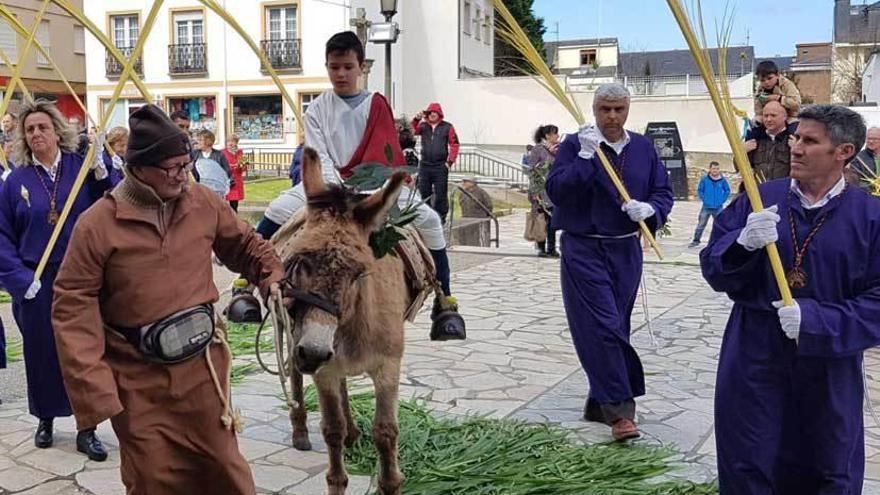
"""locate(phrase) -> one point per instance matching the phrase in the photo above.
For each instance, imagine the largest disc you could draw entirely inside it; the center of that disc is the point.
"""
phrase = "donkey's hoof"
(392, 485)
(354, 433)
(302, 442)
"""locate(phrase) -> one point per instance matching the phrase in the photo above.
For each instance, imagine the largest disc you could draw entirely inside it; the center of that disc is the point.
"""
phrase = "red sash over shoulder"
(380, 132)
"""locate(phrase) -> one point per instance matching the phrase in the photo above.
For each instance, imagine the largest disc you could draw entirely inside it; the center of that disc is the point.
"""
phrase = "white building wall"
(570, 56)
(871, 80)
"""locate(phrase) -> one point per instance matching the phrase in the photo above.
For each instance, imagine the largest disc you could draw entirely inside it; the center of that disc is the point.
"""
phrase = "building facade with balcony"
(63, 38)
(195, 62)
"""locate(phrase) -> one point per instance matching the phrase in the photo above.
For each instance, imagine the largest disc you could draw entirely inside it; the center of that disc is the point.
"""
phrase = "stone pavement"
(517, 362)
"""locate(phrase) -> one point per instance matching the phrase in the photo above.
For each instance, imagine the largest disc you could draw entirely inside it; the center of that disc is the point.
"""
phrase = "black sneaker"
(694, 244)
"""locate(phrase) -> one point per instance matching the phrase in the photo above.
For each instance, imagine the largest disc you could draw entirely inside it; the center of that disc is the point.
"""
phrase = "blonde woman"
(117, 140)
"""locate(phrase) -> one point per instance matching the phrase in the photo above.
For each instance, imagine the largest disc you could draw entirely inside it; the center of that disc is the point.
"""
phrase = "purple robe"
(788, 417)
(600, 276)
(24, 234)
(2, 345)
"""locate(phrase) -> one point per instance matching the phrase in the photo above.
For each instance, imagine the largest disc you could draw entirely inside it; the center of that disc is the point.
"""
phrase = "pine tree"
(507, 60)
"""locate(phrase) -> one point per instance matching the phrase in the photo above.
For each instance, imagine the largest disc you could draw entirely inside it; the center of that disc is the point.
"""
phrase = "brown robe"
(133, 260)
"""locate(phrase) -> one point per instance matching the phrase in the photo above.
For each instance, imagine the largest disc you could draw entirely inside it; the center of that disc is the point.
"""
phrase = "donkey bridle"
(305, 298)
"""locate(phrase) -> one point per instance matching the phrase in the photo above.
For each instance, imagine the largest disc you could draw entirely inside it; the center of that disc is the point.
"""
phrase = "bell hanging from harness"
(244, 307)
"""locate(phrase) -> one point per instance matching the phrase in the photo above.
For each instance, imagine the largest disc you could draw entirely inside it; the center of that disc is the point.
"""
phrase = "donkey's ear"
(313, 182)
(371, 212)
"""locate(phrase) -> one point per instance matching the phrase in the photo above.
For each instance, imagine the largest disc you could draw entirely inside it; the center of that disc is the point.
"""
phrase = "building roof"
(740, 60)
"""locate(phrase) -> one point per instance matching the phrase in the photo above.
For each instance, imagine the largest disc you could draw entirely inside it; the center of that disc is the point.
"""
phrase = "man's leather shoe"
(624, 429)
(43, 437)
(87, 443)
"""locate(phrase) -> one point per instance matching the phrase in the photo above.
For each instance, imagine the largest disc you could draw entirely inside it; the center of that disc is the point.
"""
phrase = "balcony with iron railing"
(188, 59)
(283, 54)
(114, 67)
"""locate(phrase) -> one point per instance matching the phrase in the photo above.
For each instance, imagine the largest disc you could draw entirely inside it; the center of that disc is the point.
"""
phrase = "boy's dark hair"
(714, 164)
(344, 42)
(179, 115)
(766, 68)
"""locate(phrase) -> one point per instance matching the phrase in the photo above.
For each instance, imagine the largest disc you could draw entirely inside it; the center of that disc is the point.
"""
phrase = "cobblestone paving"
(517, 362)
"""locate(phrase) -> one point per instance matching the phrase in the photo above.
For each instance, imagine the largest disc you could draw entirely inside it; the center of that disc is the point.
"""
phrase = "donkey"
(348, 319)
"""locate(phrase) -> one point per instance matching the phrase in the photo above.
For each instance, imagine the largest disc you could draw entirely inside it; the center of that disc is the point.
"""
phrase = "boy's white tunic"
(335, 131)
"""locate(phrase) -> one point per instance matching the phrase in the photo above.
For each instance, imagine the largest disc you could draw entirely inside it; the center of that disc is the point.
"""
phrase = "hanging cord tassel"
(230, 418)
(645, 306)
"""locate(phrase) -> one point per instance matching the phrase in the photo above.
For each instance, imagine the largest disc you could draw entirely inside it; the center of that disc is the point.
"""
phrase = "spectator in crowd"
(713, 191)
(211, 167)
(865, 167)
(773, 86)
(140, 258)
(31, 200)
(601, 255)
(525, 157)
(296, 163)
(7, 128)
(439, 152)
(182, 121)
(768, 147)
(235, 159)
(117, 141)
(540, 162)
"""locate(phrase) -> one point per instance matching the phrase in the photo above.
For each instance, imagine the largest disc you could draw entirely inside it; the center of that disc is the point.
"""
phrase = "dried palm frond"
(508, 30)
(725, 109)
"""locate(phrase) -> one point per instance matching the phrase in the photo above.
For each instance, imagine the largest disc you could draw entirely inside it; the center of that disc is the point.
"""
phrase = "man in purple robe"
(602, 253)
(789, 391)
(31, 199)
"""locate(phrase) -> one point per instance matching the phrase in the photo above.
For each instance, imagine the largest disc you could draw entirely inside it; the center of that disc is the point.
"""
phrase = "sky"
(773, 27)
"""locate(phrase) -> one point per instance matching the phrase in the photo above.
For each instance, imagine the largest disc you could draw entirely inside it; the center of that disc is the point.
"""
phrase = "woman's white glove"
(760, 229)
(789, 318)
(588, 136)
(637, 210)
(117, 162)
(33, 289)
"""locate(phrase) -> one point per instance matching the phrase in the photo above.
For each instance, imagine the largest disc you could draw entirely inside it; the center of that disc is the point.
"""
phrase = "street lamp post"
(386, 33)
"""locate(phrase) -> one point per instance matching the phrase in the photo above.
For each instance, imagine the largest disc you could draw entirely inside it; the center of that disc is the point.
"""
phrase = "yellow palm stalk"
(724, 108)
(512, 33)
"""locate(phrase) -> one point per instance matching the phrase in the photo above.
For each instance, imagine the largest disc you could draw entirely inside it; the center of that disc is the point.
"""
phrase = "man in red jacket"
(439, 151)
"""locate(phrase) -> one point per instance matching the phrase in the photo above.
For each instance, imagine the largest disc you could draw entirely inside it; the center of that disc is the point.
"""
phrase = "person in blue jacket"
(713, 191)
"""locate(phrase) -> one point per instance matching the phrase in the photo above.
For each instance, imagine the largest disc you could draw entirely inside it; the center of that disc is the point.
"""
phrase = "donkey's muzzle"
(311, 357)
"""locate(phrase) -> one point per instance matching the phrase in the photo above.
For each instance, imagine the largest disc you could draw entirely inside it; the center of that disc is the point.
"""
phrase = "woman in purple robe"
(31, 200)
(789, 390)
(601, 253)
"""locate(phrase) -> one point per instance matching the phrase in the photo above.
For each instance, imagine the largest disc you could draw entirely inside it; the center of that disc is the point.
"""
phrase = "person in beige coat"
(142, 253)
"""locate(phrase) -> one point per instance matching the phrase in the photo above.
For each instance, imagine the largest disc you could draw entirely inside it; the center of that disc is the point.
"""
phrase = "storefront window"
(258, 117)
(202, 111)
(122, 110)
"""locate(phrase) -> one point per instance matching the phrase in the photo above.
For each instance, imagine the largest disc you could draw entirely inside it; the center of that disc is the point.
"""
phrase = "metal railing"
(479, 162)
(283, 54)
(684, 85)
(188, 59)
(114, 68)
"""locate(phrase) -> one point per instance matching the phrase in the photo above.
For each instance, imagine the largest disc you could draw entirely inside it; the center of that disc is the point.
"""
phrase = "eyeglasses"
(172, 172)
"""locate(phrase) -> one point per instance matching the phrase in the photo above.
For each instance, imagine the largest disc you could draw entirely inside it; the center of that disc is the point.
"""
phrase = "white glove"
(33, 289)
(637, 210)
(588, 135)
(789, 318)
(117, 162)
(97, 164)
(760, 229)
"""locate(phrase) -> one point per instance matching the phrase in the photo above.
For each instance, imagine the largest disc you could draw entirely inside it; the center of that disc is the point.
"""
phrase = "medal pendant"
(797, 278)
(53, 217)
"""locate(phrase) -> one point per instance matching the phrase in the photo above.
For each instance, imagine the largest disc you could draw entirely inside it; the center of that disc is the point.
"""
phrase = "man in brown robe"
(140, 254)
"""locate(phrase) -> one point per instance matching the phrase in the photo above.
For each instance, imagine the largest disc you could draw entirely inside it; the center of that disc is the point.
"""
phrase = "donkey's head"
(329, 259)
